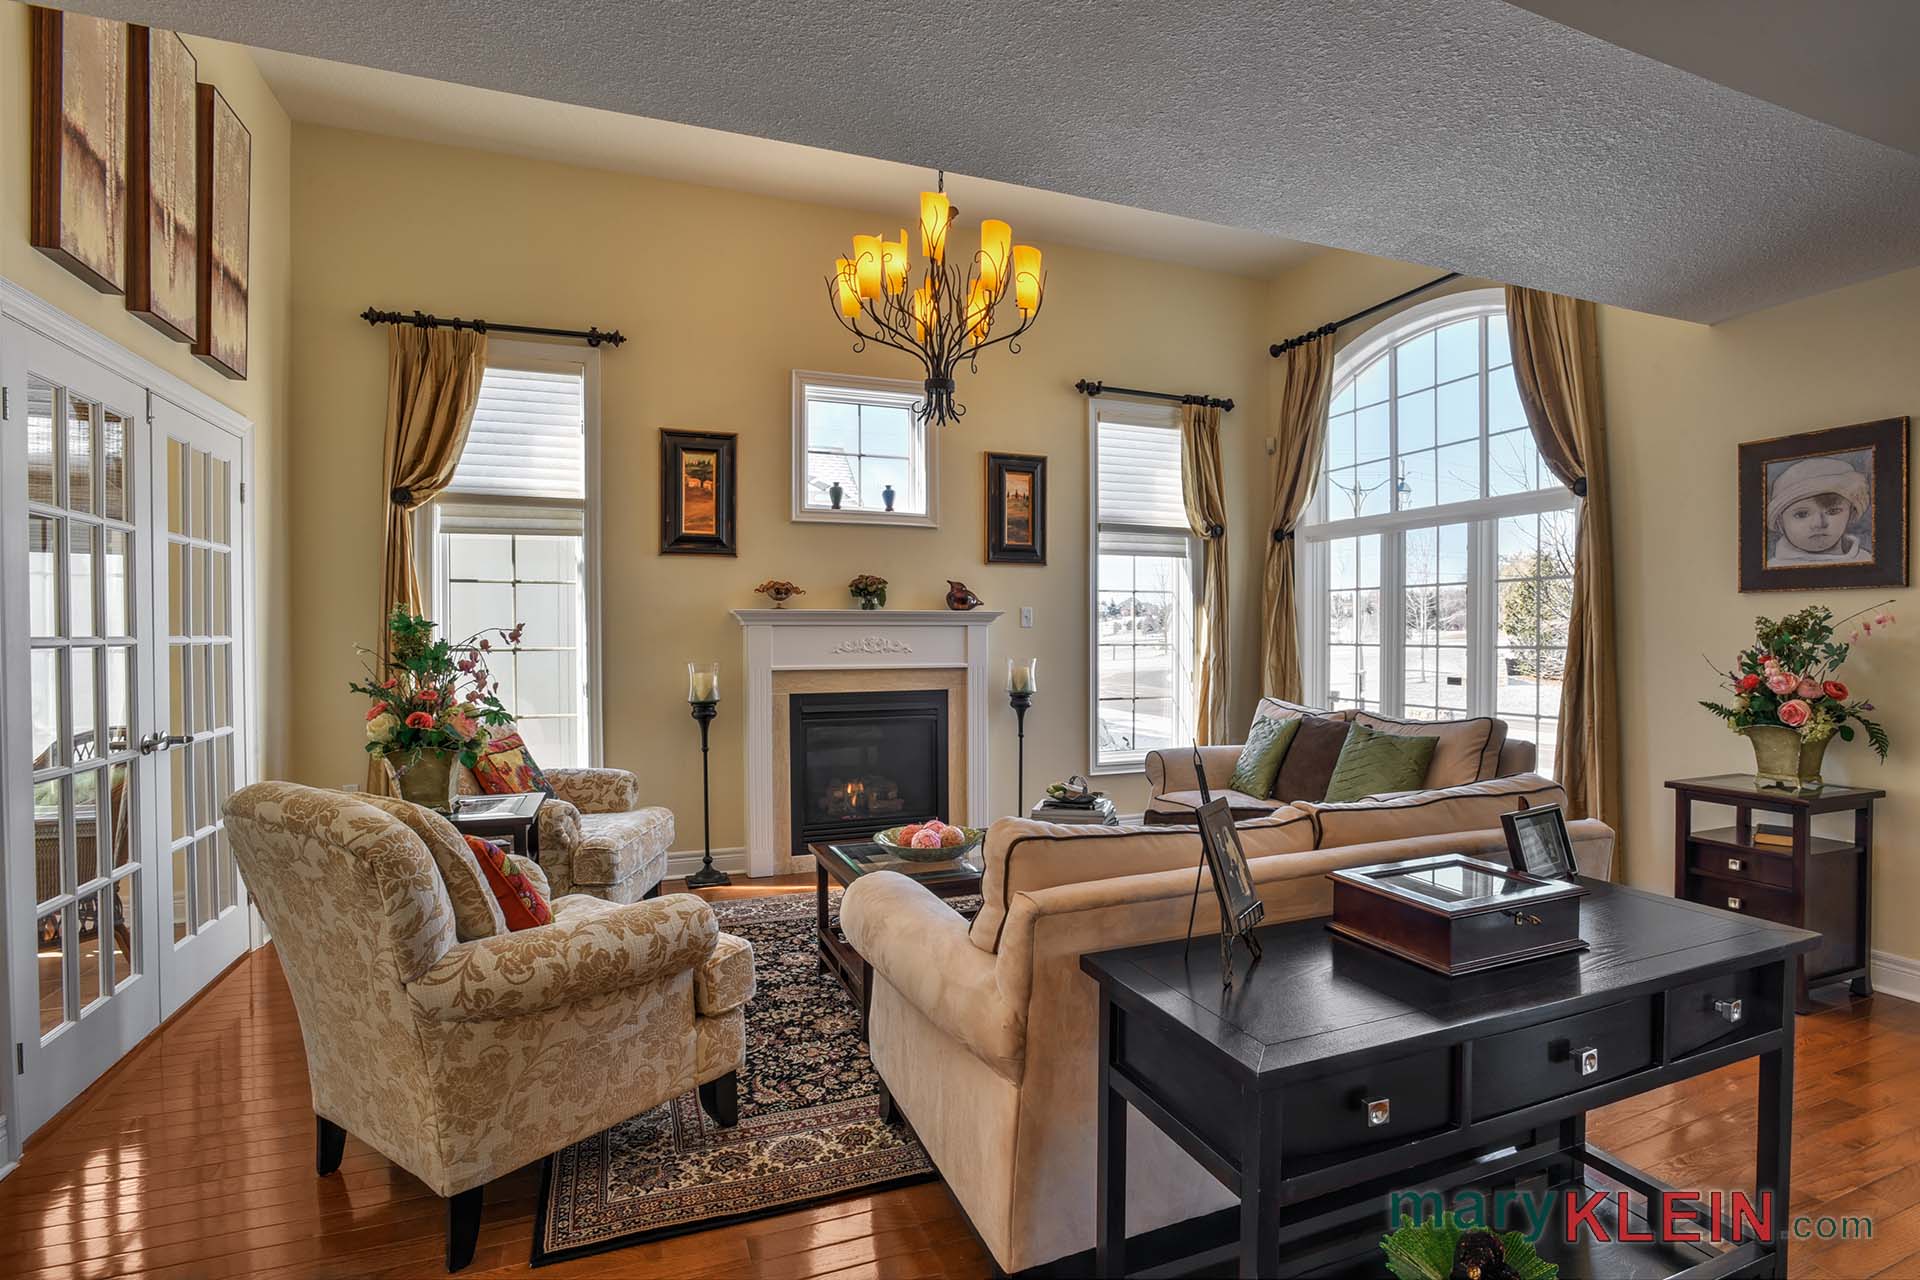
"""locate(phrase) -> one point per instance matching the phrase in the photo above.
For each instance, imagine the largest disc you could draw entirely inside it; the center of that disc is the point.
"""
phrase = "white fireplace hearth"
(859, 650)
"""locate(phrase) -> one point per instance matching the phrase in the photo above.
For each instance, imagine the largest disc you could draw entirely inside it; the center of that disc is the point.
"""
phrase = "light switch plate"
(1026, 615)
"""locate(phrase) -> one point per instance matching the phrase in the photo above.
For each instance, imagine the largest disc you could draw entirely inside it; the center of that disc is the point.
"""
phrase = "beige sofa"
(596, 837)
(1008, 1116)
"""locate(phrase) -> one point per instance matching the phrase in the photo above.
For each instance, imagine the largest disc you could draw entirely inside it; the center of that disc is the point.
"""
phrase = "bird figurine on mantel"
(959, 599)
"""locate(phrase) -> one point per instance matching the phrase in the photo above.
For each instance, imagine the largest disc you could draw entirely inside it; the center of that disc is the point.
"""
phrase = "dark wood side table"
(514, 818)
(842, 864)
(1333, 1074)
(1817, 883)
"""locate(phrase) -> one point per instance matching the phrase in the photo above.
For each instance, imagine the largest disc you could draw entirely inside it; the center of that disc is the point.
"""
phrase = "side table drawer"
(1388, 1102)
(1755, 868)
(1535, 1064)
(1747, 899)
(1725, 1007)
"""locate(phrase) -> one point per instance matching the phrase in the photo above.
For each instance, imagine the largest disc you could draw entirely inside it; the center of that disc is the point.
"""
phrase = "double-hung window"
(859, 454)
(1437, 554)
(1144, 581)
(513, 541)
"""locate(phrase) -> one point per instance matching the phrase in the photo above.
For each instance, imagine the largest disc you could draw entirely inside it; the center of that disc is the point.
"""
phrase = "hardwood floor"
(194, 1159)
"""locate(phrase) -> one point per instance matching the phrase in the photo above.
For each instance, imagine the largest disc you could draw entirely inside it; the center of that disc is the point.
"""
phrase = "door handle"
(163, 742)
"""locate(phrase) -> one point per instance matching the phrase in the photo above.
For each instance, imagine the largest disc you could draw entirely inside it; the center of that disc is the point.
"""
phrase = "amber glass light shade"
(867, 265)
(996, 243)
(936, 213)
(893, 261)
(922, 311)
(848, 287)
(1026, 277)
(979, 310)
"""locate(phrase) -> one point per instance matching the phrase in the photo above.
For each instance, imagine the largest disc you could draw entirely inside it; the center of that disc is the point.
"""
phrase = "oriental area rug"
(809, 1130)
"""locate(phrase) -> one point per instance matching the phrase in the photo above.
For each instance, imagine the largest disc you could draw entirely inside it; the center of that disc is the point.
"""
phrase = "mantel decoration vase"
(424, 777)
(1783, 758)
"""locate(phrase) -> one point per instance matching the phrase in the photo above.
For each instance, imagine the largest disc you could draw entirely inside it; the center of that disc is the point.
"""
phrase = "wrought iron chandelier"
(951, 315)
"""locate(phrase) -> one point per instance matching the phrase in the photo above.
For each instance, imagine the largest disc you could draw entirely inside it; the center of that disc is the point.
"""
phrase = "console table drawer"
(1755, 868)
(1390, 1102)
(1724, 1007)
(1534, 1064)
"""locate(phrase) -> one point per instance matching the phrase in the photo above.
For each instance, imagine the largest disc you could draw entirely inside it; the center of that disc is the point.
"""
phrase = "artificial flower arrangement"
(435, 701)
(869, 589)
(1447, 1249)
(1785, 686)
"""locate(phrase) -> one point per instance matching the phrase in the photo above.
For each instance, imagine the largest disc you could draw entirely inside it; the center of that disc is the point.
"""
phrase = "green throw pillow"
(1259, 762)
(1372, 762)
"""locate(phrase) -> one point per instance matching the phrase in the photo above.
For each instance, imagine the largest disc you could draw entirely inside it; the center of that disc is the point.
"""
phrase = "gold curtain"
(433, 382)
(1556, 363)
(1204, 487)
(1302, 435)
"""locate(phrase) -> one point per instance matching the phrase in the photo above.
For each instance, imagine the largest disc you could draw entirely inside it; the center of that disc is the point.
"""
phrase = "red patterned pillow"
(520, 902)
(506, 767)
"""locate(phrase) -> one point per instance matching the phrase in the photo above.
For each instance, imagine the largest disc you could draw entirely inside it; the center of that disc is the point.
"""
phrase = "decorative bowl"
(888, 839)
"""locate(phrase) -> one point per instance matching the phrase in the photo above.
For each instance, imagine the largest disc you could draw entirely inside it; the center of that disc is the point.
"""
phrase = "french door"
(118, 582)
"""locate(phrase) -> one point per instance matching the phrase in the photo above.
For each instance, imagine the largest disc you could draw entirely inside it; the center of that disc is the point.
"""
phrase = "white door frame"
(49, 321)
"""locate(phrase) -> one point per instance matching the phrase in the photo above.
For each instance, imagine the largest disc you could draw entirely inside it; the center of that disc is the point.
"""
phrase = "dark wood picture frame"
(1013, 536)
(79, 146)
(704, 526)
(1538, 843)
(163, 185)
(225, 202)
(1241, 909)
(1868, 459)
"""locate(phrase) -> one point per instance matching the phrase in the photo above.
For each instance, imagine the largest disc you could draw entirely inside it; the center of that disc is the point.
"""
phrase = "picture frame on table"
(1825, 510)
(1538, 843)
(1240, 907)
(698, 493)
(1016, 508)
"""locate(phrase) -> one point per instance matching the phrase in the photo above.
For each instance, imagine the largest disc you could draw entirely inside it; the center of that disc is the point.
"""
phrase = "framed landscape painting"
(697, 493)
(1016, 508)
(163, 190)
(225, 151)
(79, 145)
(1826, 509)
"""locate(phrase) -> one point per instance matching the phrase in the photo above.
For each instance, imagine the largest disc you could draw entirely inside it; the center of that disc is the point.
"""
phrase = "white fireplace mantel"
(855, 640)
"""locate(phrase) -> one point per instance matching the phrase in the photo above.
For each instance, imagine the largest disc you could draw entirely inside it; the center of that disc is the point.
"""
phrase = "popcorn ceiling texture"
(1467, 134)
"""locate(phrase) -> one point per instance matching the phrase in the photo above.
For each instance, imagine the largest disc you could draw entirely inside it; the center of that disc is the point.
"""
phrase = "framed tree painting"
(1825, 510)
(163, 190)
(225, 173)
(79, 145)
(1016, 508)
(698, 478)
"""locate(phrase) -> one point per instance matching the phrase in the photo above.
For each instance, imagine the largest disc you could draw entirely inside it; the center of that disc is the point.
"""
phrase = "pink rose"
(1808, 689)
(1795, 713)
(1835, 690)
(1783, 682)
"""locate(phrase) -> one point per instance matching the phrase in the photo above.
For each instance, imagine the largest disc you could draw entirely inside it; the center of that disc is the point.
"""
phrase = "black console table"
(1333, 1074)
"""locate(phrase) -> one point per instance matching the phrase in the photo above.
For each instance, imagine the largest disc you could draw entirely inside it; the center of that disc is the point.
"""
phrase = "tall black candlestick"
(708, 875)
(1020, 700)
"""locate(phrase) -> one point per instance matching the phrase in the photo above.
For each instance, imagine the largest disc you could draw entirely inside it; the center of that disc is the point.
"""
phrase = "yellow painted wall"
(262, 397)
(721, 295)
(1680, 398)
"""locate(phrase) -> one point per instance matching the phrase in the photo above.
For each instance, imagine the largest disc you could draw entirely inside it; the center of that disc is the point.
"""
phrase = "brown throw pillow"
(1309, 762)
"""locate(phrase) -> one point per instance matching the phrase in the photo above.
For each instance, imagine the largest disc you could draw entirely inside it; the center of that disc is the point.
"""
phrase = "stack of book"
(1094, 810)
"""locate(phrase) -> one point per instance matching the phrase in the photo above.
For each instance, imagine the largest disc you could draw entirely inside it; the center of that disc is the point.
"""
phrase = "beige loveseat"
(596, 837)
(985, 1033)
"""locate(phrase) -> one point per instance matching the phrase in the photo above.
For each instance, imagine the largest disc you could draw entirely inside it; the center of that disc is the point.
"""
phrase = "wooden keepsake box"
(1454, 914)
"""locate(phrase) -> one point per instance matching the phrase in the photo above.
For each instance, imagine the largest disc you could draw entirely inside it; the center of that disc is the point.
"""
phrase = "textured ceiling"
(1467, 134)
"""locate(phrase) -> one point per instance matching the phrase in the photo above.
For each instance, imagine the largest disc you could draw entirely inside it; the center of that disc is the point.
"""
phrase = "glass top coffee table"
(842, 864)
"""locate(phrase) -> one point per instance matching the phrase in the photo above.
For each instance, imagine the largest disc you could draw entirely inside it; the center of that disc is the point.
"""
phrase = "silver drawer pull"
(1733, 904)
(1728, 1009)
(1379, 1111)
(1589, 1061)
(1734, 864)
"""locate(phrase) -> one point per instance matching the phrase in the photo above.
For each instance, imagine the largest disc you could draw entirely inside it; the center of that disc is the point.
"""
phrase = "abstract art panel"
(163, 192)
(225, 211)
(79, 145)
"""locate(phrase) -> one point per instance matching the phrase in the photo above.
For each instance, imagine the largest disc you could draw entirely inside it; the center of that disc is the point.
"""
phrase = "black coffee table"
(842, 864)
(1333, 1075)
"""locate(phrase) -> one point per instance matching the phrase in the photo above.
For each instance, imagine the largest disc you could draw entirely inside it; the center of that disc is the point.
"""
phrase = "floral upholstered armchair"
(462, 1053)
(595, 835)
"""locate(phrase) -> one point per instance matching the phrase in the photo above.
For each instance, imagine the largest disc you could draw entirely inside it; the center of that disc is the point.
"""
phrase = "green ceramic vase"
(1782, 758)
(424, 777)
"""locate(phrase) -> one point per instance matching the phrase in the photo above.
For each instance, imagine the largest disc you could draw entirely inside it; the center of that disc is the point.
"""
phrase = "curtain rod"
(421, 320)
(1086, 388)
(1279, 349)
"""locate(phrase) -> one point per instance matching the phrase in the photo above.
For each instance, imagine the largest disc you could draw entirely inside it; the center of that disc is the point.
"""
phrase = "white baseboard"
(682, 862)
(1897, 976)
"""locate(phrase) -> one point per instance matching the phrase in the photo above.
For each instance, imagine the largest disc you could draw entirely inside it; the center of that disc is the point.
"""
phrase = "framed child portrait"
(1016, 508)
(697, 498)
(1825, 510)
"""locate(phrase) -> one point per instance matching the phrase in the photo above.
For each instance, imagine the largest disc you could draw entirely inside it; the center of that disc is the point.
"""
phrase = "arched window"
(1436, 557)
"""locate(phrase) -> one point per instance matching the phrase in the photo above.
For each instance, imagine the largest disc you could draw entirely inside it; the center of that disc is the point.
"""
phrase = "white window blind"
(528, 437)
(1140, 476)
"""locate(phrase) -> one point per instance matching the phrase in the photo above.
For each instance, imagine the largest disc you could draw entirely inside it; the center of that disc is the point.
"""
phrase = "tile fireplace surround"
(833, 648)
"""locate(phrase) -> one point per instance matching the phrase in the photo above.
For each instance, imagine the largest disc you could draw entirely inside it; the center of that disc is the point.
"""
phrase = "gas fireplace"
(864, 761)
